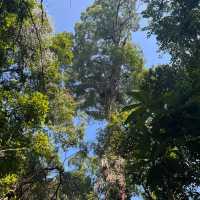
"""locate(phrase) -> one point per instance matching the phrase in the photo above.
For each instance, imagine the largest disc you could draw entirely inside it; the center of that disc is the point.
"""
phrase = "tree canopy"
(105, 60)
(51, 84)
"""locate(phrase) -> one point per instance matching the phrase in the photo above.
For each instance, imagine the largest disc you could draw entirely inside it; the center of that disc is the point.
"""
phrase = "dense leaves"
(163, 135)
(150, 142)
(176, 25)
(105, 61)
(36, 110)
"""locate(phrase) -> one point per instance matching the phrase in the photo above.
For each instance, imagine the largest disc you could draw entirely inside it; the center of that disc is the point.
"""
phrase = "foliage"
(62, 47)
(182, 19)
(105, 61)
(150, 143)
(106, 67)
(161, 137)
(161, 143)
(7, 182)
(77, 186)
(36, 110)
(41, 145)
(110, 138)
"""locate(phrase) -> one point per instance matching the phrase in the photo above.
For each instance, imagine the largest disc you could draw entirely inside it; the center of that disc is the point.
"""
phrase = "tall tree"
(106, 66)
(105, 61)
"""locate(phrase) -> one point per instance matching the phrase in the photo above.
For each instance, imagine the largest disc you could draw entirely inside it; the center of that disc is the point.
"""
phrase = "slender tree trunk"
(123, 193)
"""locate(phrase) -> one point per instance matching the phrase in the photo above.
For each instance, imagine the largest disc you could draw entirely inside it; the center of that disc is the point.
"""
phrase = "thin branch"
(16, 149)
(55, 195)
(42, 9)
(40, 45)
